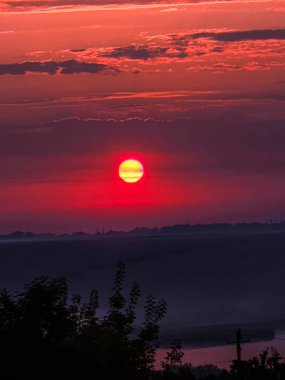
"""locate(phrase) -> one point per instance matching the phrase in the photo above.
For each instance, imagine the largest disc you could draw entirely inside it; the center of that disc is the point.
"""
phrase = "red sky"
(196, 90)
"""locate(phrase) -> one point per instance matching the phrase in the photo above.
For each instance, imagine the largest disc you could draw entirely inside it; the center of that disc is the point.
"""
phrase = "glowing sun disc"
(131, 171)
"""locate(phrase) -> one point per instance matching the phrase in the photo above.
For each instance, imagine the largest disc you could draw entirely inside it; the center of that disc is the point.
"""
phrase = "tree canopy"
(43, 336)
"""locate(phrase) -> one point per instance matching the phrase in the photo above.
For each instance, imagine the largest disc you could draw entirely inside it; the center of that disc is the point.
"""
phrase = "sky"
(195, 90)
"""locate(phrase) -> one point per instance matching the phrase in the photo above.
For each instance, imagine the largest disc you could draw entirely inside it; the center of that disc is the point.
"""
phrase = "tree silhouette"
(267, 366)
(173, 367)
(43, 336)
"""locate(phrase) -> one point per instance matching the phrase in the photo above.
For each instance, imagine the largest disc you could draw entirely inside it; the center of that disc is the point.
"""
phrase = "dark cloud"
(218, 49)
(52, 68)
(34, 67)
(73, 66)
(60, 3)
(63, 3)
(242, 35)
(77, 50)
(142, 52)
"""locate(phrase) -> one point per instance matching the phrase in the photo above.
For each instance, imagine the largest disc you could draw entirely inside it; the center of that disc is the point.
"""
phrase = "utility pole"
(238, 341)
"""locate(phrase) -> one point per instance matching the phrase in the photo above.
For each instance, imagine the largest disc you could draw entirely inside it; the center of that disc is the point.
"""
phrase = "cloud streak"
(242, 35)
(246, 50)
(181, 46)
(52, 68)
(142, 52)
(58, 5)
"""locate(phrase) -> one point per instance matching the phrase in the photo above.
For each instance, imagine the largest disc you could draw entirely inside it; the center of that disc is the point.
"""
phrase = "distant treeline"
(46, 334)
(178, 229)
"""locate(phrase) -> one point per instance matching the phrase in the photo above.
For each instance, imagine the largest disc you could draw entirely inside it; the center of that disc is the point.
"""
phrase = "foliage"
(267, 366)
(174, 356)
(43, 336)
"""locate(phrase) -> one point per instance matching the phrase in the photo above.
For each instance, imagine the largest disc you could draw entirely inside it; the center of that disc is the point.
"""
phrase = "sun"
(131, 171)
